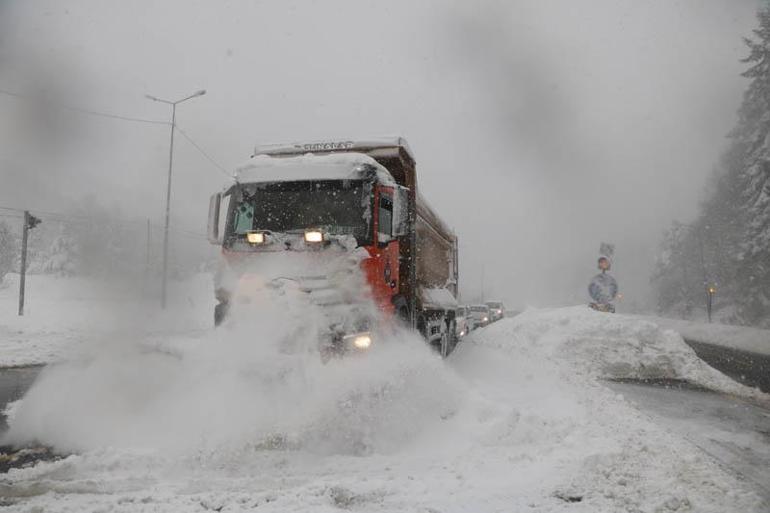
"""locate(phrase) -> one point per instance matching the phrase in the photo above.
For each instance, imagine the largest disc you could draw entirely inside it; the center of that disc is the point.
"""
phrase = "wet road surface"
(751, 369)
(733, 431)
(14, 382)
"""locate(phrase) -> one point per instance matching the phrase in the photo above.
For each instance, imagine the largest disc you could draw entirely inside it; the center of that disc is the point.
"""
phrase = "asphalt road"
(751, 369)
(733, 431)
(14, 382)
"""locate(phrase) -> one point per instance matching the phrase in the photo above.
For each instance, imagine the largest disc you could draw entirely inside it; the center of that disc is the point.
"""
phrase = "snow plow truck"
(328, 206)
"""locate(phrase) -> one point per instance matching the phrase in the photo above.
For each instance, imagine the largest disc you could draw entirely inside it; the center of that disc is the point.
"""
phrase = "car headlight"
(485, 319)
(361, 340)
(314, 236)
(255, 237)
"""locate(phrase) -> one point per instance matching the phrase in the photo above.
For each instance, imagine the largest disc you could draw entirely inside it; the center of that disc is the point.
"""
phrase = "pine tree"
(751, 138)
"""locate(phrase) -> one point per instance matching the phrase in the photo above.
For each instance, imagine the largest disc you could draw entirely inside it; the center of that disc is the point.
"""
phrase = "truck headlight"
(255, 237)
(361, 340)
(314, 236)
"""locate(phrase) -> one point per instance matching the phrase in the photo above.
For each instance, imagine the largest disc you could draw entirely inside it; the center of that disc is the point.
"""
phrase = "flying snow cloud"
(540, 128)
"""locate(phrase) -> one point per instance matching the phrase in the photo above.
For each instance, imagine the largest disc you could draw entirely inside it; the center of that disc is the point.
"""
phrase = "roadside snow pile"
(605, 346)
(514, 420)
(259, 382)
(63, 313)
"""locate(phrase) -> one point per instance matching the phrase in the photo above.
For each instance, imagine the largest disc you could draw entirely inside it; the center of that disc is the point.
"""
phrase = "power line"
(107, 115)
(203, 152)
(115, 116)
(90, 112)
(60, 217)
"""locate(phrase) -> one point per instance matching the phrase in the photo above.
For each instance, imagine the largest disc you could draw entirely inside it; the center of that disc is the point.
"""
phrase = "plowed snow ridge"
(516, 419)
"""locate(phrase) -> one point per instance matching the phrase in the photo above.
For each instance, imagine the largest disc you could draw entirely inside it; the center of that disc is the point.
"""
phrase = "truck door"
(384, 271)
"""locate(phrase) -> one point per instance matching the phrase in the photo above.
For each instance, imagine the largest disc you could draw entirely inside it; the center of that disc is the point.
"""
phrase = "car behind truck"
(330, 202)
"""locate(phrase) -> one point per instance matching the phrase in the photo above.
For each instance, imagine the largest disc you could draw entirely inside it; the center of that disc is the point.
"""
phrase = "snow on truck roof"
(335, 166)
(347, 145)
(441, 298)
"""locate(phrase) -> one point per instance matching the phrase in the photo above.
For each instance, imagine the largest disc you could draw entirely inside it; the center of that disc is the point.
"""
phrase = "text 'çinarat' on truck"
(313, 208)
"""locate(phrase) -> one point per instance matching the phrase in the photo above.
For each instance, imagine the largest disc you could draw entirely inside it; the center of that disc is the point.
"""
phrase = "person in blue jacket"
(603, 288)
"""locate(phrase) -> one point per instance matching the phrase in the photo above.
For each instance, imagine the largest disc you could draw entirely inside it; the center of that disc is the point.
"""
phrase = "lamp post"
(710, 291)
(168, 184)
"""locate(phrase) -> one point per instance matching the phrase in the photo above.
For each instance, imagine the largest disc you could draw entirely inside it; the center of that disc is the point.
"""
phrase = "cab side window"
(385, 225)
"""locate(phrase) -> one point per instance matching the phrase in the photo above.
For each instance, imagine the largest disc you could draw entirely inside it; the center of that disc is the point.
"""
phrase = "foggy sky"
(540, 128)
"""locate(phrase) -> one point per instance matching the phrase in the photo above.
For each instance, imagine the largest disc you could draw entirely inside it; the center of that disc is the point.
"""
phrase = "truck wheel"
(220, 312)
(402, 310)
(453, 339)
(444, 345)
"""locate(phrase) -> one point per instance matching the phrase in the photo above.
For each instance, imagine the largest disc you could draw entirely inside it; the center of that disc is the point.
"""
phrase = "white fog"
(545, 135)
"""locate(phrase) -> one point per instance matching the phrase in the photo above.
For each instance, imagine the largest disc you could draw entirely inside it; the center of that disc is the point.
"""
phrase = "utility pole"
(146, 277)
(147, 256)
(710, 291)
(482, 283)
(168, 185)
(30, 222)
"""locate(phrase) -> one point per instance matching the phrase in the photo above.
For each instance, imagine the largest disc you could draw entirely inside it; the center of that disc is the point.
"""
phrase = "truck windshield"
(338, 207)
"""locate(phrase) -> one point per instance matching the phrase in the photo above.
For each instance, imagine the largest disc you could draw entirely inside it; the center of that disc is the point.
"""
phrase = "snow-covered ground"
(61, 314)
(186, 418)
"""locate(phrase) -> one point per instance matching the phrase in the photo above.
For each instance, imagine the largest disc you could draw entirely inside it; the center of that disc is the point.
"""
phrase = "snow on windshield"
(339, 207)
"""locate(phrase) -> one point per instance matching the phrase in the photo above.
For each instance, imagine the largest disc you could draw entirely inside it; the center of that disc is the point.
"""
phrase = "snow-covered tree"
(751, 139)
(729, 243)
(8, 249)
(61, 257)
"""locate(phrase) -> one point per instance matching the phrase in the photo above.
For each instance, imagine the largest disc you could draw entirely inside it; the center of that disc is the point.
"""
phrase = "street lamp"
(710, 291)
(168, 185)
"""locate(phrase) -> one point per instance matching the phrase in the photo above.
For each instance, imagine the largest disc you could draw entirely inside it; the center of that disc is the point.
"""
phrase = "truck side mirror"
(213, 226)
(400, 211)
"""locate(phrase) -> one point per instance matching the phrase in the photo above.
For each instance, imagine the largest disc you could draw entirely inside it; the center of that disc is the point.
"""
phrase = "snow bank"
(516, 419)
(603, 346)
(260, 380)
(64, 313)
(229, 392)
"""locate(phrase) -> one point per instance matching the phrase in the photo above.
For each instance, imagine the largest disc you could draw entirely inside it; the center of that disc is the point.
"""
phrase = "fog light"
(314, 236)
(358, 340)
(255, 237)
